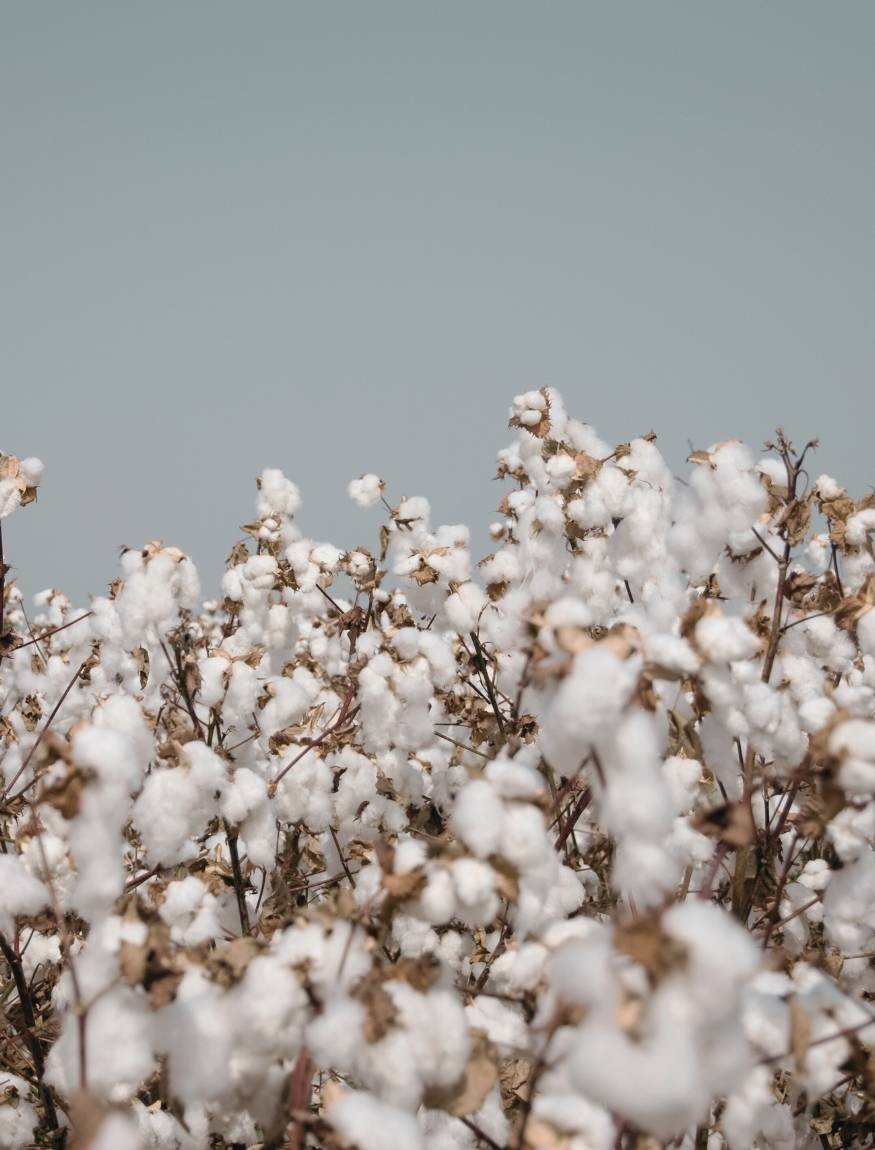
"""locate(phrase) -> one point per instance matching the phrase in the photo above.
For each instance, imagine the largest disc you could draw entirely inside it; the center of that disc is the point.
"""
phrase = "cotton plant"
(566, 847)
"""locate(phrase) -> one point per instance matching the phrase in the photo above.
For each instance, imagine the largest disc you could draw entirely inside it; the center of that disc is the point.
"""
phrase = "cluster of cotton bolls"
(569, 849)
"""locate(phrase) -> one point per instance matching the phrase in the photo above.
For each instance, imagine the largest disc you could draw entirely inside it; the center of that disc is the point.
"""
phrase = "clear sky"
(338, 237)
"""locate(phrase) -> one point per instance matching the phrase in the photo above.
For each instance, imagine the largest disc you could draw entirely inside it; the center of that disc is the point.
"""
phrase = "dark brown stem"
(30, 1037)
(577, 810)
(483, 668)
(239, 882)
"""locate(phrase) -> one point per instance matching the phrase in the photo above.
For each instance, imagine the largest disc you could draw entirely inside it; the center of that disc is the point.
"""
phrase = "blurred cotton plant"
(571, 849)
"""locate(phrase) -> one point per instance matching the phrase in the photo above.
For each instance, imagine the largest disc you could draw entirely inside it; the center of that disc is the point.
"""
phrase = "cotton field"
(388, 848)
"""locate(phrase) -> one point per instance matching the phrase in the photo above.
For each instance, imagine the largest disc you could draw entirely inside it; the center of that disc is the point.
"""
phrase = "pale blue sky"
(339, 237)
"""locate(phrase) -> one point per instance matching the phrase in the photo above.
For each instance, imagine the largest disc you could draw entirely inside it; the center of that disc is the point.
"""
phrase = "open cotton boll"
(20, 892)
(724, 639)
(176, 801)
(366, 490)
(477, 817)
(367, 1123)
(119, 1049)
(587, 704)
(276, 494)
(18, 1117)
(10, 497)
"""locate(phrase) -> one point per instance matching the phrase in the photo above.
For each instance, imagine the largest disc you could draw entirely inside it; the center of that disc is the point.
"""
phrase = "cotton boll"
(474, 884)
(753, 1115)
(20, 893)
(244, 794)
(725, 639)
(437, 901)
(366, 490)
(276, 494)
(175, 802)
(502, 1024)
(119, 1049)
(259, 572)
(367, 1123)
(10, 497)
(117, 1132)
(587, 705)
(18, 1116)
(335, 1036)
(477, 818)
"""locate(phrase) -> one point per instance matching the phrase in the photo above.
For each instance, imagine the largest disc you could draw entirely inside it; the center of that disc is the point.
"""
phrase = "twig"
(583, 801)
(33, 1043)
(239, 882)
(483, 669)
(52, 631)
(338, 722)
(461, 746)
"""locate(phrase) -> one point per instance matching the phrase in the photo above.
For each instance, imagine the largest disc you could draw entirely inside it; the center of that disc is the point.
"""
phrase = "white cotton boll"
(366, 490)
(859, 526)
(244, 794)
(276, 494)
(866, 632)
(335, 1036)
(720, 951)
(191, 912)
(288, 703)
(477, 818)
(593, 1126)
(587, 705)
(406, 642)
(413, 937)
(109, 754)
(753, 1116)
(214, 672)
(232, 584)
(117, 1132)
(10, 497)
(725, 639)
(827, 488)
(119, 1052)
(673, 653)
(42, 952)
(503, 1024)
(854, 737)
(524, 840)
(241, 694)
(18, 1116)
(437, 901)
(260, 571)
(644, 871)
(31, 470)
(849, 905)
(367, 1123)
(20, 892)
(304, 793)
(561, 467)
(580, 971)
(326, 556)
(682, 776)
(410, 855)
(174, 804)
(513, 779)
(474, 884)
(775, 471)
(814, 714)
(198, 1035)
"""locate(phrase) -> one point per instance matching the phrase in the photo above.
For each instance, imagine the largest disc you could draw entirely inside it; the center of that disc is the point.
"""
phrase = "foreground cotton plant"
(569, 850)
